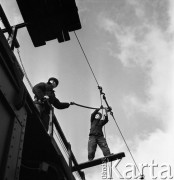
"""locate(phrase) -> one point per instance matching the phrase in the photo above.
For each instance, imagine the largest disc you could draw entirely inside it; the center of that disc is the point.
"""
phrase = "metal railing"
(71, 158)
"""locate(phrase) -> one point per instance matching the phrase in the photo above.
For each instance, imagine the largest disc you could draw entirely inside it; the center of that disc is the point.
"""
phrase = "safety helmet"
(53, 79)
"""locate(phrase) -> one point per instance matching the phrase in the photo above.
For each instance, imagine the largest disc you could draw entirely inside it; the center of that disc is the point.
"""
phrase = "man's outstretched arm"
(60, 105)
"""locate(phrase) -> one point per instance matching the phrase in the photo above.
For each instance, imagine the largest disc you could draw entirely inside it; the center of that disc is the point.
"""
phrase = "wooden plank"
(99, 161)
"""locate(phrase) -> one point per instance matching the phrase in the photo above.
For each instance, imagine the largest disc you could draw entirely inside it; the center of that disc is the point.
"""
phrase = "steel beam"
(7, 25)
(99, 161)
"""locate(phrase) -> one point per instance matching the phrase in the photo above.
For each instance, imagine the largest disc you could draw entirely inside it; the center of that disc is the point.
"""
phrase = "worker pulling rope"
(109, 107)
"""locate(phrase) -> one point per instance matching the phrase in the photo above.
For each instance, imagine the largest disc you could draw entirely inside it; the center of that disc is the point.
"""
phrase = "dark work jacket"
(43, 89)
(97, 125)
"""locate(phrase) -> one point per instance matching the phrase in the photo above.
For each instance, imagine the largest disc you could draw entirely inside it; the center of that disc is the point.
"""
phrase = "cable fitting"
(109, 109)
(101, 90)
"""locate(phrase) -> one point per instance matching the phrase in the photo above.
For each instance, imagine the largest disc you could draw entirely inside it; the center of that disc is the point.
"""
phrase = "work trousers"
(44, 113)
(92, 145)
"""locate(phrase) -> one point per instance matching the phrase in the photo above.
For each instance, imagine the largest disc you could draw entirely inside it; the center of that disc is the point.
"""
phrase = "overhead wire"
(26, 76)
(107, 104)
(23, 69)
(90, 69)
(125, 143)
(86, 58)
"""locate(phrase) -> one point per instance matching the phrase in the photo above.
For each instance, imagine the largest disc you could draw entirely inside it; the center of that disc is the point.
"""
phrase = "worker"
(96, 136)
(45, 97)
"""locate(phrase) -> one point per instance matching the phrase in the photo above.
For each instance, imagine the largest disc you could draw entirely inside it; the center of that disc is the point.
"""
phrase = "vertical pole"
(70, 156)
(110, 174)
(70, 159)
(50, 127)
(12, 37)
(82, 175)
(14, 34)
(7, 25)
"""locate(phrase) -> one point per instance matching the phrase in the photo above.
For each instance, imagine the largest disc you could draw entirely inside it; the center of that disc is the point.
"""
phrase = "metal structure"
(99, 161)
(47, 20)
(27, 150)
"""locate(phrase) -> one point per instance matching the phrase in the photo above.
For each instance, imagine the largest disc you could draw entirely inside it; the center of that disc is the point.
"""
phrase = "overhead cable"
(86, 58)
(23, 69)
(109, 108)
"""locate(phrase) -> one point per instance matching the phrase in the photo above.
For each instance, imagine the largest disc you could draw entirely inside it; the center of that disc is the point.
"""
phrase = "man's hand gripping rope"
(108, 109)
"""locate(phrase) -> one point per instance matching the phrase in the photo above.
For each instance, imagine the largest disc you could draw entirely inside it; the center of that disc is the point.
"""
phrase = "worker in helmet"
(45, 97)
(96, 136)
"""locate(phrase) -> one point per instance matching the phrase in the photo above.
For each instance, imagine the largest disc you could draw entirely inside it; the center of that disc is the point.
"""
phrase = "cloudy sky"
(129, 44)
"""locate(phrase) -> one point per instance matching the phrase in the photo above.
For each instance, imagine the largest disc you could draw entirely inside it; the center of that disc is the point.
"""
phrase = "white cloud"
(132, 50)
(138, 10)
(157, 55)
(154, 53)
(171, 15)
(158, 146)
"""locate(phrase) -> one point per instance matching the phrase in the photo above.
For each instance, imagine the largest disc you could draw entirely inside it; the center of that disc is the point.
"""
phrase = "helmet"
(53, 79)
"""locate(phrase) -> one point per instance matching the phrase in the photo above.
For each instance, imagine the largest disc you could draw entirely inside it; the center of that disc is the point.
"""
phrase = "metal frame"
(99, 161)
(72, 158)
(16, 140)
(8, 27)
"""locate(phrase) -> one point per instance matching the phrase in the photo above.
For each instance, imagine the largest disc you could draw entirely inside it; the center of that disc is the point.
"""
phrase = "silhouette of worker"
(45, 97)
(96, 136)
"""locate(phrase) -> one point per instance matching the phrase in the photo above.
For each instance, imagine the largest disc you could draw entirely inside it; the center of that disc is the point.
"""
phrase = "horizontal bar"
(18, 26)
(99, 161)
(7, 25)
